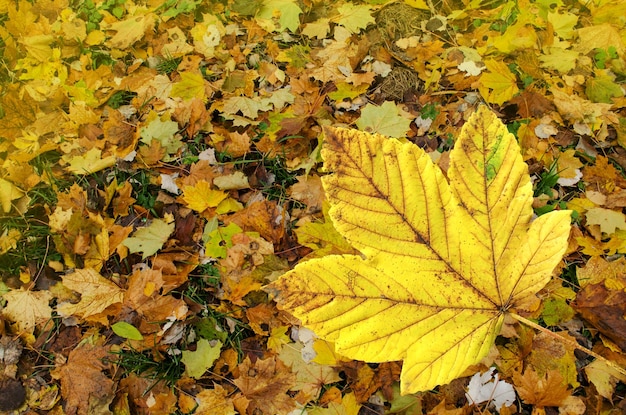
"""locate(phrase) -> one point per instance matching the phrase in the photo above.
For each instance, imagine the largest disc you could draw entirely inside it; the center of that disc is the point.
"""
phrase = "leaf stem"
(569, 342)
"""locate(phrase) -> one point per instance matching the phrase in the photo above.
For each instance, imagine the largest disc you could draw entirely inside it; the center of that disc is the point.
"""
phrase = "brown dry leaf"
(597, 269)
(83, 385)
(363, 379)
(193, 114)
(199, 171)
(143, 286)
(441, 409)
(175, 266)
(123, 200)
(309, 191)
(265, 217)
(532, 104)
(152, 154)
(549, 353)
(617, 199)
(144, 297)
(262, 318)
(75, 199)
(121, 133)
(235, 289)
(20, 113)
(118, 233)
(214, 402)
(147, 396)
(549, 390)
(604, 305)
(603, 176)
(236, 144)
(311, 377)
(265, 385)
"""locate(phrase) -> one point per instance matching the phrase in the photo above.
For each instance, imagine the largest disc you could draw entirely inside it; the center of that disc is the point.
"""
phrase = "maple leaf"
(310, 376)
(499, 84)
(288, 10)
(149, 239)
(27, 308)
(86, 389)
(130, 30)
(190, 86)
(200, 197)
(444, 262)
(8, 193)
(383, 120)
(265, 384)
(354, 18)
(249, 107)
(90, 162)
(97, 293)
(199, 361)
(214, 402)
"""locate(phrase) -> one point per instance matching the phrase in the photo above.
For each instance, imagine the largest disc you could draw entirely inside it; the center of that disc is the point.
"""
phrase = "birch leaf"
(442, 263)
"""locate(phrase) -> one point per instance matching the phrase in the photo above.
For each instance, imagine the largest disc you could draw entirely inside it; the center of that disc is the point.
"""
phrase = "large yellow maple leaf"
(442, 263)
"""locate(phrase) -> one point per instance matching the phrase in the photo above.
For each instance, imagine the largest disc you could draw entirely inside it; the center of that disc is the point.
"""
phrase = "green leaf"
(383, 120)
(127, 331)
(162, 131)
(220, 240)
(289, 13)
(202, 359)
(602, 88)
(150, 238)
(355, 17)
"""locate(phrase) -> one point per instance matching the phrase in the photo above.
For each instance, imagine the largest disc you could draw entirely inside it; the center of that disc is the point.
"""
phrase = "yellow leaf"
(322, 237)
(418, 4)
(200, 197)
(563, 23)
(214, 402)
(228, 205)
(288, 11)
(318, 29)
(38, 46)
(191, 86)
(8, 193)
(130, 30)
(499, 84)
(354, 17)
(278, 338)
(442, 262)
(27, 308)
(9, 240)
(609, 220)
(518, 36)
(96, 293)
(602, 36)
(90, 162)
(563, 60)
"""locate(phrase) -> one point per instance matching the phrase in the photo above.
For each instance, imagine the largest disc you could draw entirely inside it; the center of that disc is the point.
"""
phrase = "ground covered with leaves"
(160, 165)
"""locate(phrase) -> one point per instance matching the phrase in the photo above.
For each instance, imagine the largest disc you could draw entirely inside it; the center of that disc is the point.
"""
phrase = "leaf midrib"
(404, 219)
